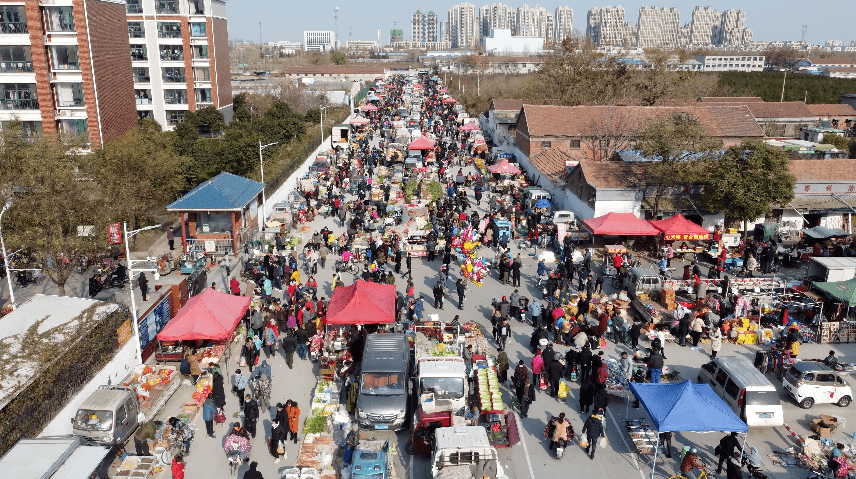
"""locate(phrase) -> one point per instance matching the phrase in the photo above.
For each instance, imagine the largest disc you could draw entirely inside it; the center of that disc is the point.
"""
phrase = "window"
(197, 29)
(144, 97)
(721, 377)
(197, 7)
(19, 96)
(139, 53)
(169, 30)
(141, 75)
(546, 144)
(203, 95)
(175, 97)
(13, 19)
(173, 75)
(59, 19)
(731, 389)
(68, 94)
(167, 6)
(29, 129)
(604, 143)
(826, 378)
(121, 415)
(145, 114)
(134, 6)
(201, 74)
(171, 53)
(73, 127)
(136, 30)
(575, 144)
(16, 59)
(382, 384)
(200, 52)
(809, 377)
(64, 57)
(174, 117)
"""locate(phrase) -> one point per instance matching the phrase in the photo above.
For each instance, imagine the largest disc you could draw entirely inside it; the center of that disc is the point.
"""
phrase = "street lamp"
(6, 258)
(262, 164)
(128, 235)
(321, 109)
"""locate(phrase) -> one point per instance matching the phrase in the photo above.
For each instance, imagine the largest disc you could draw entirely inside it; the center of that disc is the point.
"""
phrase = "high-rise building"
(463, 26)
(705, 21)
(396, 35)
(563, 19)
(657, 27)
(535, 22)
(606, 26)
(424, 27)
(496, 16)
(64, 67)
(179, 56)
(319, 41)
(443, 30)
(731, 31)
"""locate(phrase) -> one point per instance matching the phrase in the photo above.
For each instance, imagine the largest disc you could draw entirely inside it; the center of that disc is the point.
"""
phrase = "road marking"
(526, 449)
(624, 440)
(410, 468)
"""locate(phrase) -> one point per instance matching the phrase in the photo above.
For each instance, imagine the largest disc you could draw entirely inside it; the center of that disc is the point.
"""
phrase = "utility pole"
(336, 22)
(261, 52)
(782, 98)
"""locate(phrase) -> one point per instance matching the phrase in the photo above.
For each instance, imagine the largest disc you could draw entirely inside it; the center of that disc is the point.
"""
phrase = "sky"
(286, 20)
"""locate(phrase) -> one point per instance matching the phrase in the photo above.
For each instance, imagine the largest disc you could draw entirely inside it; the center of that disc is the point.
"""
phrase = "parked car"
(809, 382)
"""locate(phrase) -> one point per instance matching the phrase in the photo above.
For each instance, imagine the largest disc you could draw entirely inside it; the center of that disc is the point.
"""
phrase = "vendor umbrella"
(421, 143)
(244, 446)
(543, 203)
(504, 168)
(368, 107)
(470, 127)
(359, 120)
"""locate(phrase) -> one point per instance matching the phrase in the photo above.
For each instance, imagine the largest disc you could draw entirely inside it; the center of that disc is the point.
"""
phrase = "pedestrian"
(587, 390)
(521, 374)
(502, 366)
(270, 341)
(252, 472)
(626, 366)
(209, 410)
(235, 287)
(170, 238)
(655, 363)
(537, 368)
(144, 286)
(734, 469)
(302, 338)
(142, 435)
(239, 384)
(727, 445)
(715, 341)
(696, 329)
(535, 312)
(555, 371)
(289, 346)
(634, 333)
(462, 288)
(503, 332)
(193, 361)
(322, 254)
(419, 308)
(294, 420)
(593, 428)
(227, 263)
(409, 265)
(438, 295)
(180, 431)
(525, 396)
(601, 397)
(665, 440)
(585, 361)
(249, 354)
(218, 391)
(467, 355)
(278, 436)
(251, 414)
(177, 467)
(596, 363)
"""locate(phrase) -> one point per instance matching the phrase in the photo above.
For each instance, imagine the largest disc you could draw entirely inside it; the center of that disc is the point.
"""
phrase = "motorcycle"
(563, 442)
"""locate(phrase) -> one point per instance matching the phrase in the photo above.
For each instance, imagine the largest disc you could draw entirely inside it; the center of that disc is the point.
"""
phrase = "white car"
(810, 382)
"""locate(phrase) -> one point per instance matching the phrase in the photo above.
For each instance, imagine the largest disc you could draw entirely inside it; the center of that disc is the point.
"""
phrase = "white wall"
(113, 373)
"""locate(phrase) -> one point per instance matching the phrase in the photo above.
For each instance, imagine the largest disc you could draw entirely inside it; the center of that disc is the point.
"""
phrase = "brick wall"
(188, 63)
(220, 63)
(111, 62)
(40, 66)
(84, 57)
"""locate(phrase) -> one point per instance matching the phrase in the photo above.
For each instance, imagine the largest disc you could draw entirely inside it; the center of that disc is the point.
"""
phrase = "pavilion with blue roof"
(214, 213)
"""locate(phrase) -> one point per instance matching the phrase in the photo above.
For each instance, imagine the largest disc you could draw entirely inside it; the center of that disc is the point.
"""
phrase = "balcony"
(70, 103)
(197, 30)
(173, 79)
(19, 104)
(167, 7)
(139, 54)
(16, 67)
(169, 30)
(142, 79)
(171, 56)
(13, 27)
(59, 20)
(134, 8)
(175, 99)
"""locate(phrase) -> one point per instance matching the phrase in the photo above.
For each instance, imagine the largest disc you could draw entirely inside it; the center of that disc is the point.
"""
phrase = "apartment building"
(605, 26)
(319, 41)
(498, 15)
(424, 27)
(179, 57)
(731, 63)
(463, 26)
(564, 20)
(64, 68)
(535, 22)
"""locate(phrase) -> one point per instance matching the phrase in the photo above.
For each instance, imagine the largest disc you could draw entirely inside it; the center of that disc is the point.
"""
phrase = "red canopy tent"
(450, 100)
(421, 143)
(504, 168)
(210, 315)
(368, 107)
(620, 224)
(362, 303)
(358, 120)
(678, 228)
(470, 127)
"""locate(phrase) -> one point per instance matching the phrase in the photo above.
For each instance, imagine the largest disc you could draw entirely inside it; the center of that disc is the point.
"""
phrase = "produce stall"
(497, 419)
(643, 436)
(154, 385)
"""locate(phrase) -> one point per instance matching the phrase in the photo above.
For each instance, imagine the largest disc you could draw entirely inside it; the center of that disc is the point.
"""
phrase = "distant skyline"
(769, 21)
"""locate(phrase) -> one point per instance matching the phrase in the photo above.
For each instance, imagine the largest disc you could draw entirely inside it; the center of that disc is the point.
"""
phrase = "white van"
(748, 392)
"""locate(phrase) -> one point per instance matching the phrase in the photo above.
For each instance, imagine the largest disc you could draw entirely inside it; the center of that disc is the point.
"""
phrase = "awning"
(450, 100)
(210, 315)
(821, 232)
(620, 224)
(504, 168)
(845, 202)
(841, 290)
(678, 228)
(362, 303)
(421, 143)
(358, 120)
(470, 127)
(368, 107)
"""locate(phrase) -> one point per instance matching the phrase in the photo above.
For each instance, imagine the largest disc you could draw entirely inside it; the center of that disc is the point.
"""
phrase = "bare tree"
(606, 134)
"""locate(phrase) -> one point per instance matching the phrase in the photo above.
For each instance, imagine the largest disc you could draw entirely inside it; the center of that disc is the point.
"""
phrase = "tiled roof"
(824, 170)
(730, 99)
(507, 104)
(341, 69)
(785, 109)
(822, 202)
(550, 162)
(841, 69)
(828, 61)
(487, 60)
(832, 110)
(611, 174)
(721, 121)
(224, 192)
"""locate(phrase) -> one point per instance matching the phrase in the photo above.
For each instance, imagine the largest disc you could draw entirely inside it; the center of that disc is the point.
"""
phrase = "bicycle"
(702, 475)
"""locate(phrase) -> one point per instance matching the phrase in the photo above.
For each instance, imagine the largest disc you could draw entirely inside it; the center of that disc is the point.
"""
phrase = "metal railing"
(70, 103)
(173, 79)
(198, 245)
(66, 66)
(172, 56)
(142, 79)
(167, 6)
(13, 27)
(16, 67)
(27, 104)
(175, 100)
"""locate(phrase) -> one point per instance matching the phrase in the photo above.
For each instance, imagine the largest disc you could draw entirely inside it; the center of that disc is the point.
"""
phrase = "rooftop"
(550, 162)
(834, 170)
(730, 99)
(833, 110)
(785, 109)
(506, 104)
(611, 174)
(224, 192)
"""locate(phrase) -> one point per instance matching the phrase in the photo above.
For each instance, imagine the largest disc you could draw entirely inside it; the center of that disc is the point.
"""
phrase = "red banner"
(688, 237)
(114, 233)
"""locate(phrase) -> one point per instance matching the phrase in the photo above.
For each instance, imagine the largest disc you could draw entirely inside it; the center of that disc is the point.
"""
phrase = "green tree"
(281, 123)
(55, 214)
(746, 181)
(313, 116)
(670, 140)
(837, 141)
(338, 58)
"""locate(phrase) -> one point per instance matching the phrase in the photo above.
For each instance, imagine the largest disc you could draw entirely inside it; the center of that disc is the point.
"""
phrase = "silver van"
(642, 280)
(109, 416)
(384, 382)
(746, 390)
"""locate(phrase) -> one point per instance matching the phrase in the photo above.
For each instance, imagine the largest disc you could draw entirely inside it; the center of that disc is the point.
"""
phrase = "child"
(177, 467)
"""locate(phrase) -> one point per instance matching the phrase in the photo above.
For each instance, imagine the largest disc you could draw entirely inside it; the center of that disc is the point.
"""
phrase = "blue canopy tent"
(543, 203)
(686, 407)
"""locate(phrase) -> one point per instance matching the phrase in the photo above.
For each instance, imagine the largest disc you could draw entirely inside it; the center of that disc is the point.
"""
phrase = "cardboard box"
(825, 426)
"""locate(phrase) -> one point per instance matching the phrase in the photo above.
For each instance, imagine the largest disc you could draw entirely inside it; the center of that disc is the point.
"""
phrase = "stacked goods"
(489, 393)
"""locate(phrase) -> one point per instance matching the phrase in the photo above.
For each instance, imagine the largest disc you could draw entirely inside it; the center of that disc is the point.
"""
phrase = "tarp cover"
(620, 224)
(504, 168)
(210, 315)
(678, 228)
(421, 143)
(821, 232)
(840, 290)
(685, 407)
(362, 303)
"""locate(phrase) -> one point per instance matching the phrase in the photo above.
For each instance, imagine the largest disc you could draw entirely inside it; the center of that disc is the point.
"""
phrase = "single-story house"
(782, 119)
(215, 214)
(585, 132)
(824, 194)
(840, 115)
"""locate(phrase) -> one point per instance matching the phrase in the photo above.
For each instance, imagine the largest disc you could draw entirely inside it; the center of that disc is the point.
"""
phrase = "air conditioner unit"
(65, 113)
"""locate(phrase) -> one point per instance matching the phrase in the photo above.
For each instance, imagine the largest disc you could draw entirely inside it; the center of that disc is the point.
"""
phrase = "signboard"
(688, 237)
(206, 228)
(210, 246)
(114, 233)
(154, 321)
(125, 332)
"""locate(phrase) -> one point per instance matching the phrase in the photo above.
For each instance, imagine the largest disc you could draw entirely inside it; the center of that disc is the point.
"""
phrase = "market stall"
(685, 407)
(497, 419)
(678, 228)
(619, 224)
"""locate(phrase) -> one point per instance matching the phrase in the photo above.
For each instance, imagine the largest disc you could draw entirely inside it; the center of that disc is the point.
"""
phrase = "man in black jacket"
(438, 295)
(596, 363)
(555, 371)
(656, 363)
(593, 428)
(302, 337)
(727, 446)
(585, 362)
(251, 414)
(601, 397)
(289, 346)
(462, 288)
